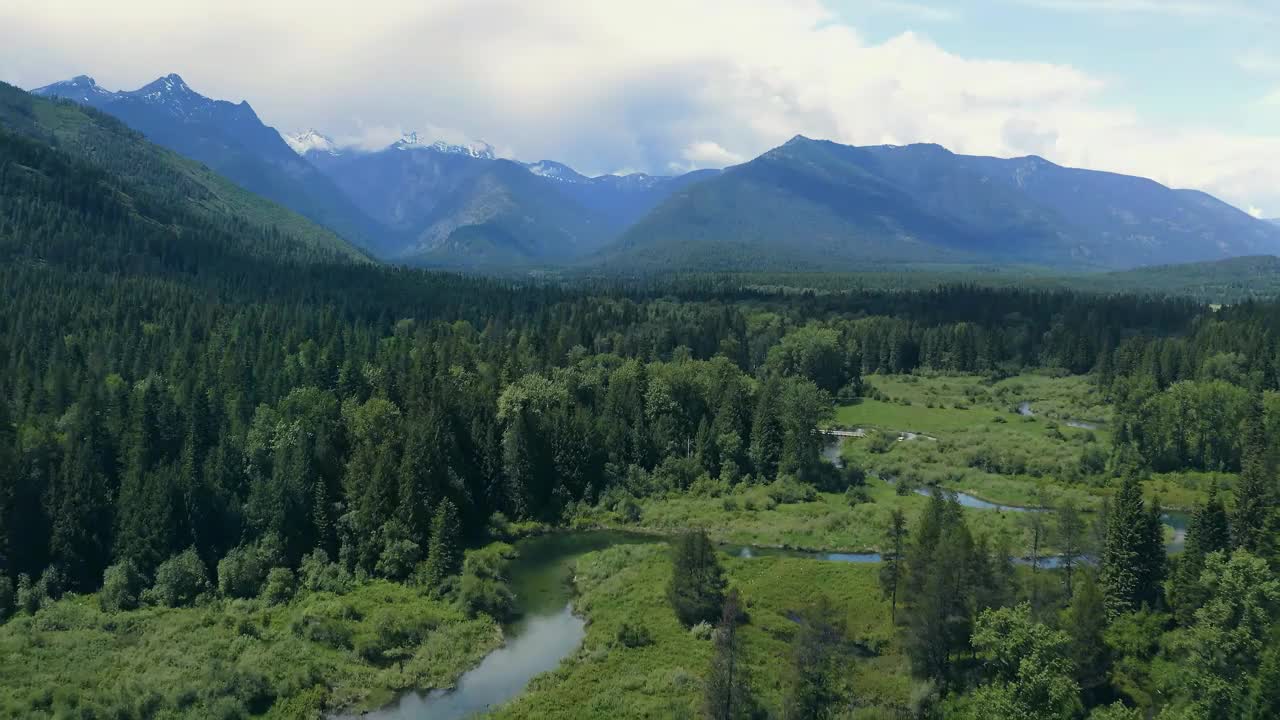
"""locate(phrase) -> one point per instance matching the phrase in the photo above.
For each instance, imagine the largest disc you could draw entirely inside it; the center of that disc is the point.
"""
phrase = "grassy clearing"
(663, 680)
(234, 658)
(984, 447)
(749, 516)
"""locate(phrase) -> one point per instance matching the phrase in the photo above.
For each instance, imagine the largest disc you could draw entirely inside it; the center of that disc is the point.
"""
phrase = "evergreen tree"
(812, 689)
(727, 694)
(1131, 557)
(1207, 532)
(696, 590)
(1070, 529)
(1255, 494)
(444, 550)
(891, 561)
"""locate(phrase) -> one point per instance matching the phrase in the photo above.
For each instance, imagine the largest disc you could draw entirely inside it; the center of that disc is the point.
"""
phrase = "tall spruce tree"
(1255, 494)
(444, 549)
(1208, 532)
(696, 590)
(1132, 559)
(892, 561)
(727, 693)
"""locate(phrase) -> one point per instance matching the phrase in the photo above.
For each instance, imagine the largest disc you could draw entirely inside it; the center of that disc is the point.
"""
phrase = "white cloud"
(705, 154)
(623, 84)
(1259, 62)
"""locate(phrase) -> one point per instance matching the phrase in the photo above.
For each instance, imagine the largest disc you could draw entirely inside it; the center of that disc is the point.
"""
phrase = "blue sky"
(1186, 92)
(1175, 61)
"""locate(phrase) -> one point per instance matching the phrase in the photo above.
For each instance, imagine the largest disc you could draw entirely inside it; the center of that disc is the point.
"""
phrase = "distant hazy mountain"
(814, 205)
(459, 205)
(148, 206)
(230, 139)
(1274, 221)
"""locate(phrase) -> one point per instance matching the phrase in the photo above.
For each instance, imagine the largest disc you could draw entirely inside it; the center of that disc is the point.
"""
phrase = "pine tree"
(891, 561)
(1255, 498)
(1208, 532)
(1070, 528)
(444, 550)
(728, 687)
(811, 689)
(696, 590)
(1132, 558)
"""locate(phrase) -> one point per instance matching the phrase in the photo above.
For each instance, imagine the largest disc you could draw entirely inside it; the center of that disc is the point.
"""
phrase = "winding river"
(547, 630)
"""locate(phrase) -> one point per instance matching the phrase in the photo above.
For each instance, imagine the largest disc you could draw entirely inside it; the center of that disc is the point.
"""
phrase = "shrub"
(702, 630)
(121, 585)
(483, 587)
(696, 591)
(279, 586)
(319, 575)
(242, 572)
(634, 636)
(179, 580)
(28, 595)
(399, 551)
(856, 496)
(787, 490)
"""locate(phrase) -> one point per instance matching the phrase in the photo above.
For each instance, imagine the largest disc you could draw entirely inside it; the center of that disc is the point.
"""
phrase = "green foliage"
(696, 588)
(317, 574)
(1225, 643)
(243, 571)
(121, 587)
(444, 553)
(1133, 555)
(727, 693)
(279, 586)
(399, 551)
(812, 684)
(1032, 675)
(179, 581)
(483, 587)
(634, 636)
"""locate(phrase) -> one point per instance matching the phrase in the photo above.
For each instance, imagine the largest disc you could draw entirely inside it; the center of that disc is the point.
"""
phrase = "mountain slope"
(815, 205)
(458, 205)
(233, 141)
(148, 187)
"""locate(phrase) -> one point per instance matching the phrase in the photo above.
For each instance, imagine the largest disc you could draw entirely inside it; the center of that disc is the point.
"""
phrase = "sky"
(1186, 92)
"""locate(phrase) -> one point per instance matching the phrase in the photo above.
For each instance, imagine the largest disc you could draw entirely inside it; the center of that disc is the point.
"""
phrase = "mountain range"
(806, 205)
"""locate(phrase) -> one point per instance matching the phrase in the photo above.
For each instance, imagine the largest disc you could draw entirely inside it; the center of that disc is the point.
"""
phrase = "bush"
(483, 587)
(399, 551)
(279, 586)
(242, 572)
(787, 490)
(702, 630)
(319, 575)
(634, 636)
(856, 496)
(880, 443)
(121, 585)
(28, 595)
(179, 580)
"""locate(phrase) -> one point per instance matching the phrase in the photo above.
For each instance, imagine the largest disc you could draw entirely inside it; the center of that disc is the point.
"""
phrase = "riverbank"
(627, 584)
(237, 658)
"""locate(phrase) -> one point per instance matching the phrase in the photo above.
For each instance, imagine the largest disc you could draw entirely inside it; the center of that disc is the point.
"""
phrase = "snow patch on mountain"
(411, 141)
(81, 89)
(310, 140)
(553, 170)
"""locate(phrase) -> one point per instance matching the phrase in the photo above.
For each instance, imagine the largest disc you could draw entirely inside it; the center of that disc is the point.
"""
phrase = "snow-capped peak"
(556, 171)
(309, 140)
(411, 141)
(81, 88)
